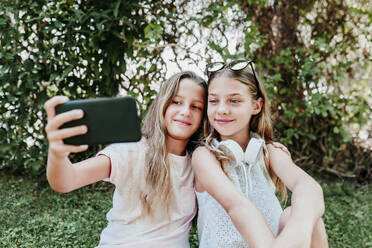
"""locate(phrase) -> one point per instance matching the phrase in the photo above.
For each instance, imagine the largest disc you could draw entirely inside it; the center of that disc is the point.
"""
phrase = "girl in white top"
(238, 169)
(154, 200)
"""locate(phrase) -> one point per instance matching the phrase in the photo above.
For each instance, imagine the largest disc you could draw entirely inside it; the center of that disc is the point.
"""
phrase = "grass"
(33, 215)
(348, 216)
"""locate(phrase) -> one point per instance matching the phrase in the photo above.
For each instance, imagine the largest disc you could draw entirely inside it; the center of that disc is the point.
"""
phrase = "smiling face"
(230, 108)
(185, 112)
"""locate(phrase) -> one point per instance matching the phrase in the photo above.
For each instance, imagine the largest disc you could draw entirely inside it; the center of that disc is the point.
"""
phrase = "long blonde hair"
(158, 180)
(259, 123)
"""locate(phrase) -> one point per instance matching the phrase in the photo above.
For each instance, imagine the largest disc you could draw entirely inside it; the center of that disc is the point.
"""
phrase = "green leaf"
(153, 68)
(106, 68)
(282, 91)
(336, 130)
(52, 77)
(67, 71)
(116, 9)
(153, 31)
(311, 136)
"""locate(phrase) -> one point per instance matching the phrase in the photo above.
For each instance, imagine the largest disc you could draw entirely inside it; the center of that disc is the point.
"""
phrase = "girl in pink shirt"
(154, 199)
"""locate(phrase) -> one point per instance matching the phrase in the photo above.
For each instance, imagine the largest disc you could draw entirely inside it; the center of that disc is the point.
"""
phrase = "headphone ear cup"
(227, 152)
(233, 149)
(229, 164)
(253, 150)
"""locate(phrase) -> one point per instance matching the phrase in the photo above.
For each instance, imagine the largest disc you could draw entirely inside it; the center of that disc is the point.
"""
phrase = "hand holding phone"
(108, 120)
(57, 149)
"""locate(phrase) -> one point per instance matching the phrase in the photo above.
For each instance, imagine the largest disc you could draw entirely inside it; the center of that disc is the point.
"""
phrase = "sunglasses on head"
(235, 65)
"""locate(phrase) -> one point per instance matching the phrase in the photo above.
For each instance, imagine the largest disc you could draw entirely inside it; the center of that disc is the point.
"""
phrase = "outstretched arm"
(307, 203)
(63, 176)
(246, 217)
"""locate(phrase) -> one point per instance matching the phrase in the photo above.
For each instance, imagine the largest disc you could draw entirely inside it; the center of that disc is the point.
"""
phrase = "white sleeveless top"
(248, 172)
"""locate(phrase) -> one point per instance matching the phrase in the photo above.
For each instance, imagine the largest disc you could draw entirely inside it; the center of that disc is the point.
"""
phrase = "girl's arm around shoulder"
(210, 177)
(307, 203)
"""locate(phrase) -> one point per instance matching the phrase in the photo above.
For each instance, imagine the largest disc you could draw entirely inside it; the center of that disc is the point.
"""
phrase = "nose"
(222, 109)
(185, 111)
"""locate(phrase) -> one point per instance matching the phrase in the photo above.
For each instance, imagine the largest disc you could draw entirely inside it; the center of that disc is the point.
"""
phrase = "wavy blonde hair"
(259, 123)
(158, 180)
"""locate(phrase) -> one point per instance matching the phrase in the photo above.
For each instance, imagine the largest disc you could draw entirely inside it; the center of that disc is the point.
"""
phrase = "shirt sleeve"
(122, 156)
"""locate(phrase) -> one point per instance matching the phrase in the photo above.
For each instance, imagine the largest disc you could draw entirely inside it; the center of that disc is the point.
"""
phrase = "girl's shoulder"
(202, 150)
(205, 148)
(203, 156)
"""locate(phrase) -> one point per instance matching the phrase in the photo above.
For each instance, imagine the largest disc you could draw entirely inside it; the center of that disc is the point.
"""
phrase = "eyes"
(231, 100)
(194, 106)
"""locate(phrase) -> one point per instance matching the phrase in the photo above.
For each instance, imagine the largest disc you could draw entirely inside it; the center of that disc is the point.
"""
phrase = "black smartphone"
(109, 120)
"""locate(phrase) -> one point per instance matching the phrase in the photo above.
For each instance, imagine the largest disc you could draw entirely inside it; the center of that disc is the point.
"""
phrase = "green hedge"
(74, 48)
(307, 56)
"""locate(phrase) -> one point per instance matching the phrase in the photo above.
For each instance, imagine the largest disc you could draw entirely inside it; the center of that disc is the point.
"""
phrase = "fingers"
(60, 148)
(50, 105)
(58, 120)
(56, 145)
(61, 134)
(281, 147)
(55, 135)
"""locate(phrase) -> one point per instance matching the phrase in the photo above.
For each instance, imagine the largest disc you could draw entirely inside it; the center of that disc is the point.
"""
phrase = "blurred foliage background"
(314, 56)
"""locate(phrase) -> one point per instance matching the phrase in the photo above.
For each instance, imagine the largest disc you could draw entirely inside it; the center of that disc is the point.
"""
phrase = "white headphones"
(250, 158)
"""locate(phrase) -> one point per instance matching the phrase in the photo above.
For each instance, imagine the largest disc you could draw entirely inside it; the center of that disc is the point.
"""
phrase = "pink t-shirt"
(128, 226)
